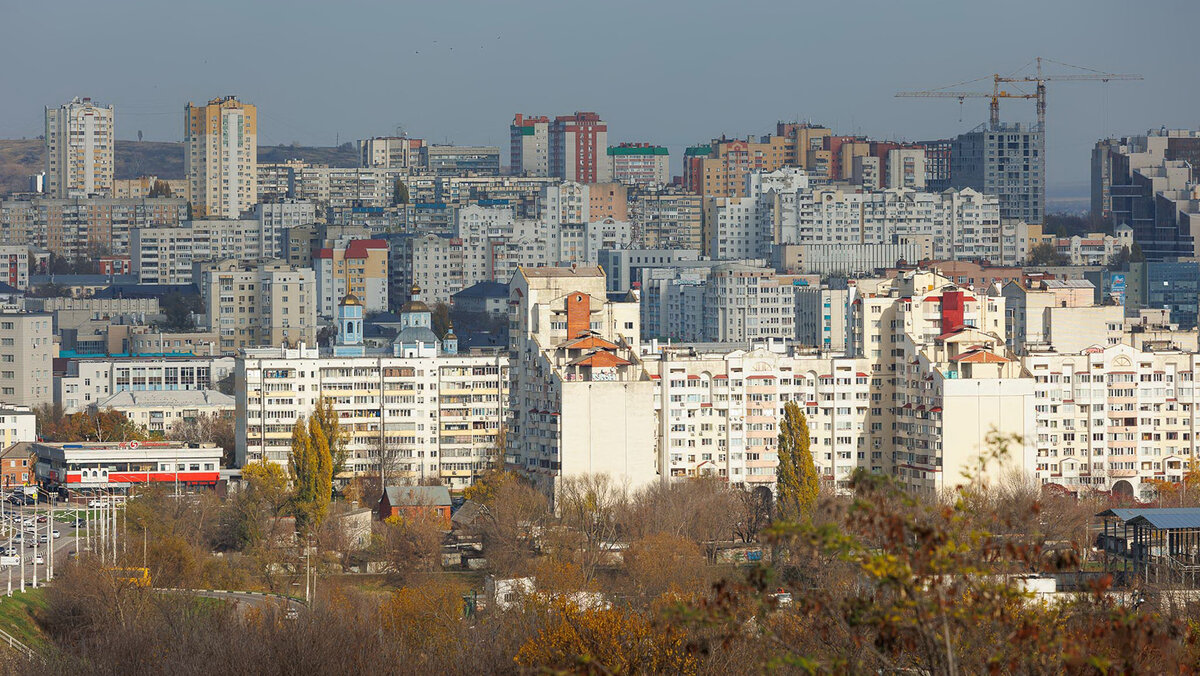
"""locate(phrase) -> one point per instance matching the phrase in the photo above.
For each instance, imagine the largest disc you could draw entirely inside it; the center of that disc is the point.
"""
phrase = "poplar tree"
(322, 471)
(796, 476)
(335, 435)
(302, 466)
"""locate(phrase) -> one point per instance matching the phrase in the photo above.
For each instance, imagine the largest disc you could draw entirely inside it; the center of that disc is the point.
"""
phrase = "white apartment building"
(276, 218)
(823, 317)
(17, 424)
(257, 303)
(390, 152)
(429, 417)
(781, 208)
(27, 352)
(529, 145)
(566, 202)
(640, 164)
(746, 303)
(88, 381)
(160, 410)
(718, 413)
(906, 168)
(1115, 419)
(220, 157)
(80, 140)
(1058, 315)
(164, 255)
(579, 398)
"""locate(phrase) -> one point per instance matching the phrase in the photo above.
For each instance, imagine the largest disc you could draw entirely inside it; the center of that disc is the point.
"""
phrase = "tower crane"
(1039, 79)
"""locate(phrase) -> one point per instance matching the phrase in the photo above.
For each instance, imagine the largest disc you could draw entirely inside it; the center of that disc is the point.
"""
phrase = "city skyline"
(663, 79)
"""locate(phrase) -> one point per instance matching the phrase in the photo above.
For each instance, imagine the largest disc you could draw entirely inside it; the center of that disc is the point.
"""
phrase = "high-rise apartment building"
(27, 353)
(417, 411)
(1007, 161)
(447, 160)
(79, 150)
(390, 152)
(640, 164)
(579, 398)
(529, 150)
(577, 148)
(257, 303)
(1149, 183)
(220, 157)
(358, 267)
(666, 217)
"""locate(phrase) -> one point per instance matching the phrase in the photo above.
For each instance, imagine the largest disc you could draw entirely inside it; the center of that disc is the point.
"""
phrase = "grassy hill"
(21, 158)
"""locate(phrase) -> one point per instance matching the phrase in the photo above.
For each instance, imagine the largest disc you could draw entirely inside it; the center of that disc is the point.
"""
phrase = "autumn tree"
(612, 640)
(91, 425)
(409, 544)
(798, 483)
(427, 616)
(590, 506)
(336, 436)
(399, 193)
(208, 429)
(663, 563)
(755, 507)
(304, 469)
(324, 469)
(1045, 253)
(510, 515)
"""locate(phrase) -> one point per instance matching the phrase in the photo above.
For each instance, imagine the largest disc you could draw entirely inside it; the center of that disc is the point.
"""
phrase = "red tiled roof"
(360, 248)
(980, 357)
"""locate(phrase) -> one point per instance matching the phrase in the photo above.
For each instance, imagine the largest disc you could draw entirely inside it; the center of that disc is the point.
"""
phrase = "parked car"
(95, 504)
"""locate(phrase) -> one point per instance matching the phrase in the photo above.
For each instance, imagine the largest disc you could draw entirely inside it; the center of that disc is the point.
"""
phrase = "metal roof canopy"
(1161, 518)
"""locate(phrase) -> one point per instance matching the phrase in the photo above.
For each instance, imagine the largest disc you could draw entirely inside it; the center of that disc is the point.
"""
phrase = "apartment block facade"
(80, 141)
(577, 148)
(579, 398)
(220, 157)
(529, 145)
(27, 352)
(640, 164)
(427, 417)
(257, 303)
(358, 267)
(84, 228)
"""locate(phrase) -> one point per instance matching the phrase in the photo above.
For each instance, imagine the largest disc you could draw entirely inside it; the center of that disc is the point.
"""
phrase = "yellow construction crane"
(1039, 79)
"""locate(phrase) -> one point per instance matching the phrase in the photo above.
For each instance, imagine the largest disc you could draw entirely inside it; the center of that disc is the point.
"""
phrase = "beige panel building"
(79, 149)
(220, 157)
(27, 352)
(579, 399)
(258, 303)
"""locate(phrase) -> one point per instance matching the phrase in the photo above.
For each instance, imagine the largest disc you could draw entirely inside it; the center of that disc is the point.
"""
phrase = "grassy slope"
(16, 615)
(21, 158)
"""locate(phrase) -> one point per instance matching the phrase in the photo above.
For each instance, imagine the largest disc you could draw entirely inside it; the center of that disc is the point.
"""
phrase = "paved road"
(245, 600)
(71, 539)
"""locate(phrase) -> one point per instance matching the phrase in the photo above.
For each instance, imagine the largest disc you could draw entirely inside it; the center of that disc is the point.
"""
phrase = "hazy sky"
(671, 72)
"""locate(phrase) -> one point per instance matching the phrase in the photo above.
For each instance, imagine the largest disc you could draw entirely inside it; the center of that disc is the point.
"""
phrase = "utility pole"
(35, 545)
